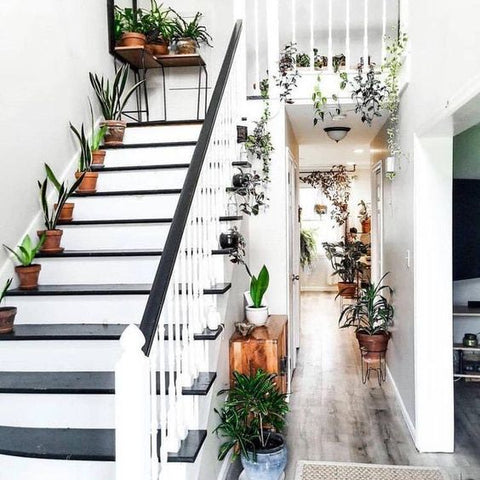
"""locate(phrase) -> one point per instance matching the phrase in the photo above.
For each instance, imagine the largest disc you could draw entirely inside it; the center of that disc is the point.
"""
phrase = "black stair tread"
(186, 143)
(103, 289)
(129, 168)
(117, 193)
(242, 163)
(154, 123)
(82, 383)
(116, 253)
(82, 331)
(129, 221)
(94, 444)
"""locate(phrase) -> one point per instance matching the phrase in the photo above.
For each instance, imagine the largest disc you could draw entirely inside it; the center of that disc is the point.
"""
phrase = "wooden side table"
(265, 347)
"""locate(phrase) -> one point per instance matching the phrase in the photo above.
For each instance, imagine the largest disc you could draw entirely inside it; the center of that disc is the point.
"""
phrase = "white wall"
(47, 51)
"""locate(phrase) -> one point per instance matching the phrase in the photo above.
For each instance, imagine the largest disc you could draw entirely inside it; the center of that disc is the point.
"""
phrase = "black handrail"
(161, 282)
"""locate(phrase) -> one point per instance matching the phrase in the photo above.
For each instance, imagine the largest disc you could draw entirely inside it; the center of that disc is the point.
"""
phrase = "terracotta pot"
(89, 182)
(28, 276)
(115, 132)
(157, 49)
(98, 157)
(373, 346)
(133, 39)
(53, 238)
(66, 214)
(7, 317)
(367, 226)
(185, 46)
(347, 289)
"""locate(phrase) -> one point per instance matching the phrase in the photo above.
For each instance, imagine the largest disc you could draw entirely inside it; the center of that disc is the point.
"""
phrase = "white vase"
(257, 316)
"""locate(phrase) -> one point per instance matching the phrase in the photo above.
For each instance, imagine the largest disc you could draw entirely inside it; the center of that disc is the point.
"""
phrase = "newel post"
(132, 408)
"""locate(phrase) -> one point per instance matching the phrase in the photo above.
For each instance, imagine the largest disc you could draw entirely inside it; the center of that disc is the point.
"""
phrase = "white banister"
(365, 32)
(273, 46)
(294, 21)
(312, 35)
(132, 408)
(330, 36)
(347, 35)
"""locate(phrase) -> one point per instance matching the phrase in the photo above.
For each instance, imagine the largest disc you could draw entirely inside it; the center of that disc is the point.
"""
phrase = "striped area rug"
(361, 471)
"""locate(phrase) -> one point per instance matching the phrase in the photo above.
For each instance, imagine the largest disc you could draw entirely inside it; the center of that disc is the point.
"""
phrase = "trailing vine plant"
(335, 185)
(287, 72)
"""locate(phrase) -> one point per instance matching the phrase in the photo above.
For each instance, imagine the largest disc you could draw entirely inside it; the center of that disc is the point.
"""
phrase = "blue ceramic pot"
(270, 463)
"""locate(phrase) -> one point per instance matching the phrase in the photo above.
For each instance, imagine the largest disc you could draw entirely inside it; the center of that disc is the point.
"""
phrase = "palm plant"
(193, 29)
(26, 252)
(113, 97)
(4, 291)
(345, 258)
(372, 313)
(85, 159)
(253, 410)
(308, 247)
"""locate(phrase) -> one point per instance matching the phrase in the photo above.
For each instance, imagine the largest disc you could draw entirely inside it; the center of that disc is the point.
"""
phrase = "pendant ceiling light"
(337, 133)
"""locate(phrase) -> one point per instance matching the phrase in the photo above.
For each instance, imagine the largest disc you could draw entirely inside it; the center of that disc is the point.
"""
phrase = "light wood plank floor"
(334, 417)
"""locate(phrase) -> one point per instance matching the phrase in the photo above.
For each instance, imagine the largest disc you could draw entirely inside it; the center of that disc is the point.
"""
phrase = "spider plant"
(85, 159)
(113, 96)
(193, 29)
(253, 410)
(372, 313)
(3, 292)
(26, 251)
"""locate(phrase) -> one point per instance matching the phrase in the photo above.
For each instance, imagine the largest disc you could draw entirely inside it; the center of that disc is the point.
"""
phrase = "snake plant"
(4, 291)
(258, 287)
(26, 252)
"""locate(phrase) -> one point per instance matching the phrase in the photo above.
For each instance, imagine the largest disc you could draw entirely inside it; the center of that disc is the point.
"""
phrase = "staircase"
(57, 380)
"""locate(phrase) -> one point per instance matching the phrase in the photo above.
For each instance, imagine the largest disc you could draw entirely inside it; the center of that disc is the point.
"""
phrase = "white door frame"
(377, 227)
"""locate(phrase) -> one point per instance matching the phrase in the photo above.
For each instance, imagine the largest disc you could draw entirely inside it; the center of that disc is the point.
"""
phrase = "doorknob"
(295, 277)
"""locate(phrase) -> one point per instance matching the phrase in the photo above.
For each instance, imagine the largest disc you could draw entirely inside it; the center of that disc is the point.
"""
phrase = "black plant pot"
(229, 240)
(240, 180)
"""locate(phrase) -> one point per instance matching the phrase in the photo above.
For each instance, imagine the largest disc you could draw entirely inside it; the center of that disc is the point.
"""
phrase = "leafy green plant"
(113, 97)
(159, 26)
(258, 287)
(253, 197)
(302, 60)
(345, 258)
(308, 247)
(193, 29)
(4, 291)
(85, 159)
(237, 255)
(253, 410)
(371, 313)
(129, 20)
(97, 134)
(287, 72)
(26, 252)
(363, 214)
(63, 194)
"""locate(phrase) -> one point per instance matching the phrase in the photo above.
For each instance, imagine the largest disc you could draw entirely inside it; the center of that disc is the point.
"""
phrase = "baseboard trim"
(406, 416)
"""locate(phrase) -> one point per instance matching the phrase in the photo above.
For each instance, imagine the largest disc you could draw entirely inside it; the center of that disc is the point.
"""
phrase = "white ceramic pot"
(257, 316)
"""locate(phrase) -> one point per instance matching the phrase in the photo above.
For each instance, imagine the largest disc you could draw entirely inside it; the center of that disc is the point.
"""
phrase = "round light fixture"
(337, 133)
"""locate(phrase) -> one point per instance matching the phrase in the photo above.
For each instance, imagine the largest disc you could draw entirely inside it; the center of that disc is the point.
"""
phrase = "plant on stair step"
(159, 29)
(98, 135)
(251, 421)
(252, 194)
(129, 27)
(51, 216)
(189, 35)
(257, 312)
(7, 314)
(113, 98)
(27, 271)
(88, 184)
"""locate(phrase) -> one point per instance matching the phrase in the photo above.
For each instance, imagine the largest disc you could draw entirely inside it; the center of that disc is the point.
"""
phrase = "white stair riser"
(106, 270)
(95, 237)
(141, 180)
(162, 133)
(148, 156)
(125, 207)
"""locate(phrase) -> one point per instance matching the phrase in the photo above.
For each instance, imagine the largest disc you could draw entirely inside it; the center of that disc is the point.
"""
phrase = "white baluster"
(312, 39)
(294, 21)
(347, 35)
(365, 33)
(257, 44)
(384, 28)
(330, 39)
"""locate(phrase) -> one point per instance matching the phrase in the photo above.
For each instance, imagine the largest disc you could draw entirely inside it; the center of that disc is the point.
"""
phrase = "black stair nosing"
(120, 193)
(87, 444)
(130, 168)
(124, 146)
(103, 289)
(86, 383)
(243, 164)
(84, 332)
(134, 221)
(166, 123)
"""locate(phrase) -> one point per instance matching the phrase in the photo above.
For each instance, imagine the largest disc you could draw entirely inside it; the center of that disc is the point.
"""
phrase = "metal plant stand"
(377, 365)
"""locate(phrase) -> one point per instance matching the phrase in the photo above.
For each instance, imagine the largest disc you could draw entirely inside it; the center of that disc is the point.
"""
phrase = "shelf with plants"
(460, 346)
(465, 311)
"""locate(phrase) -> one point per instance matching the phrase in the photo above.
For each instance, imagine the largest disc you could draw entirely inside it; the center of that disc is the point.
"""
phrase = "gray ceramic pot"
(270, 463)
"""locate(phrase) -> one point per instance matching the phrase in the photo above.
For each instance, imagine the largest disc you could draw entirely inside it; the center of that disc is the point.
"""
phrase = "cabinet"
(466, 359)
(265, 347)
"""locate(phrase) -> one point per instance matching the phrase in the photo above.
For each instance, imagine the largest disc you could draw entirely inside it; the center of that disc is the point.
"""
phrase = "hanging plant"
(321, 108)
(392, 66)
(287, 72)
(303, 60)
(252, 194)
(335, 185)
(308, 247)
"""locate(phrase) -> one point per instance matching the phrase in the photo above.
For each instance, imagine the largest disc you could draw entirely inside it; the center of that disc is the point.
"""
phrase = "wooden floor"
(334, 417)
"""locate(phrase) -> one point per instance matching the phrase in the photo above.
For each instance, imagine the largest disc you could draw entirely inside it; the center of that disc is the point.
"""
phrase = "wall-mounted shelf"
(464, 311)
(459, 346)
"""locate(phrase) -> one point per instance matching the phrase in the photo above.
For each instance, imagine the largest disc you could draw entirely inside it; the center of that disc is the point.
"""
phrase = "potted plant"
(88, 183)
(230, 238)
(308, 247)
(27, 271)
(113, 98)
(51, 234)
(364, 217)
(129, 27)
(189, 35)
(159, 29)
(257, 313)
(345, 260)
(7, 314)
(98, 135)
(249, 188)
(371, 316)
(251, 421)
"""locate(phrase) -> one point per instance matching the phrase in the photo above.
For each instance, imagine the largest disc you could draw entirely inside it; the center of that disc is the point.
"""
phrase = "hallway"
(334, 417)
